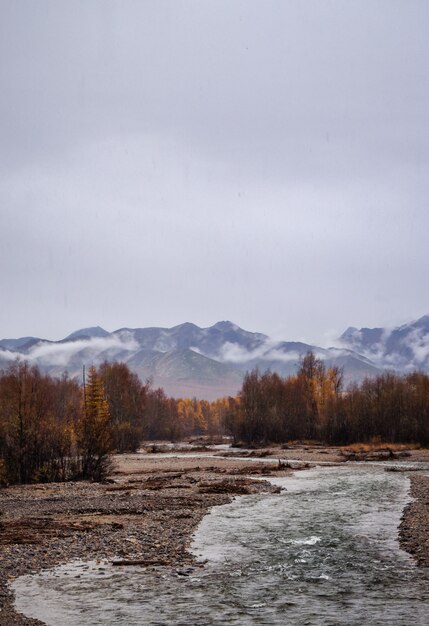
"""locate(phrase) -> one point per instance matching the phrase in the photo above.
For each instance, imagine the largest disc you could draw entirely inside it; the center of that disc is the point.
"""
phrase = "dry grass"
(380, 445)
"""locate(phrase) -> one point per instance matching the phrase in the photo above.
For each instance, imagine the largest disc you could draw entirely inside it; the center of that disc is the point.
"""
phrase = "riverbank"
(414, 528)
(147, 511)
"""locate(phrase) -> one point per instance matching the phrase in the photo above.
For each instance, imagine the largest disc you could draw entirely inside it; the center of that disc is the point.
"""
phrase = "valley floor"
(147, 510)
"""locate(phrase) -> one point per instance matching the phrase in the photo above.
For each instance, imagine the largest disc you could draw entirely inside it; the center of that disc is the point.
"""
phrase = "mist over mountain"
(187, 360)
(404, 348)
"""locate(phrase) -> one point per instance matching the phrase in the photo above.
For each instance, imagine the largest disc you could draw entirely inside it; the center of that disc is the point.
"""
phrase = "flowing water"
(323, 552)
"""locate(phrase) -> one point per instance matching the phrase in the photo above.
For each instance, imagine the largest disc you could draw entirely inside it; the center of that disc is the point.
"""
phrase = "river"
(323, 552)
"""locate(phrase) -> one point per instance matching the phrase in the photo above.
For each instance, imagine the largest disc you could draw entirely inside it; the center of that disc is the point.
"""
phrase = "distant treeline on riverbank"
(58, 429)
(313, 405)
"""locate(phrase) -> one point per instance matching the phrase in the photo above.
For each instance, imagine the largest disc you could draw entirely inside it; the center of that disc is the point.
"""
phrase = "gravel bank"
(414, 528)
(147, 514)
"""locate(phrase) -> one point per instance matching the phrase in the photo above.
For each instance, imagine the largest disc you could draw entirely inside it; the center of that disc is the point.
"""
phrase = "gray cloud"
(164, 161)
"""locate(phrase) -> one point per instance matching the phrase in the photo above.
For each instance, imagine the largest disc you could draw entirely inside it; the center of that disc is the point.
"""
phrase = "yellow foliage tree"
(94, 429)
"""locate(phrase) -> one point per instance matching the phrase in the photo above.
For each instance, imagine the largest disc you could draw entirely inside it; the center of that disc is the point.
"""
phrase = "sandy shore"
(148, 510)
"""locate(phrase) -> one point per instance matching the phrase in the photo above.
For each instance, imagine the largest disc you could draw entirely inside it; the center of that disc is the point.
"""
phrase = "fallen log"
(142, 562)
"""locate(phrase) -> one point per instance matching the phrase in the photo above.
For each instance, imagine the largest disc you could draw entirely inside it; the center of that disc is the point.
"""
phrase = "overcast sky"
(263, 161)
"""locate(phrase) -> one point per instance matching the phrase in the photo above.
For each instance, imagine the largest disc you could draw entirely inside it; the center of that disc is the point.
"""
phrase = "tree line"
(313, 405)
(55, 429)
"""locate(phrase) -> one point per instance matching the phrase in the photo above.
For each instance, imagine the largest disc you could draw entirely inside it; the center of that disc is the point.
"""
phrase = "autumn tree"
(222, 415)
(127, 399)
(37, 418)
(20, 395)
(162, 416)
(311, 373)
(94, 429)
(250, 422)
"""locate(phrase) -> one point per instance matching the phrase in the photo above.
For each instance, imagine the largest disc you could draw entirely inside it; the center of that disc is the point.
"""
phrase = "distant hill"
(187, 360)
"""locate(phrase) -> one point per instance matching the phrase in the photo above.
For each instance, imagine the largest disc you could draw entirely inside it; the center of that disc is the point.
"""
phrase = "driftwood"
(381, 454)
(35, 530)
(396, 468)
(142, 562)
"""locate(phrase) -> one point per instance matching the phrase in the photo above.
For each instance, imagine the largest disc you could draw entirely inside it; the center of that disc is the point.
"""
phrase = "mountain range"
(187, 360)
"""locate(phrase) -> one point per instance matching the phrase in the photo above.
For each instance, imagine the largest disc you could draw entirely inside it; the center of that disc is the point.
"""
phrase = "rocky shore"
(414, 527)
(145, 514)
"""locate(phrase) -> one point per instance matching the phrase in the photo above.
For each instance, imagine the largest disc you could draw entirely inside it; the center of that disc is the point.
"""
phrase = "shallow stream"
(323, 552)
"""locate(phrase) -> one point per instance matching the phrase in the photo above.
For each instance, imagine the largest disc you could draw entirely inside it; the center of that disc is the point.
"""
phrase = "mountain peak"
(92, 331)
(422, 321)
(226, 325)
(349, 332)
(185, 326)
